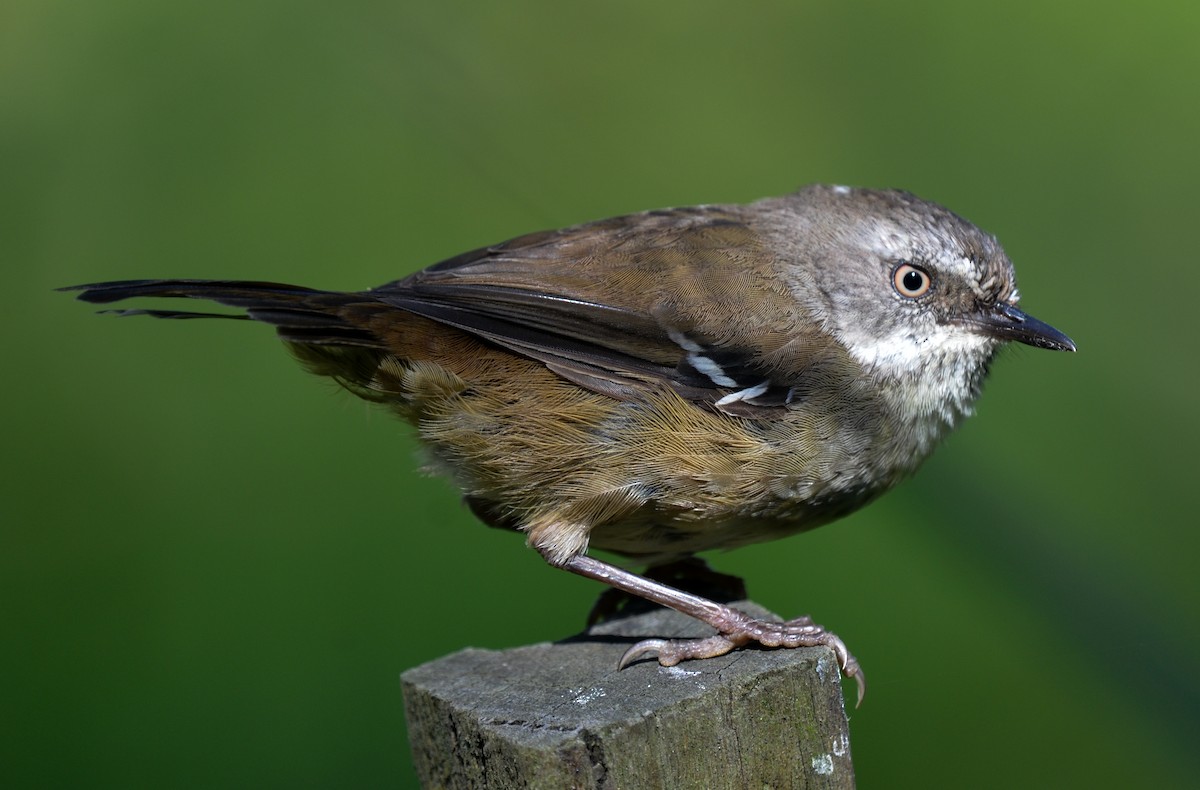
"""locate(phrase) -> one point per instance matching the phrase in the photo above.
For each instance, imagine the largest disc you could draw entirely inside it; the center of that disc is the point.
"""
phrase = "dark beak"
(1006, 322)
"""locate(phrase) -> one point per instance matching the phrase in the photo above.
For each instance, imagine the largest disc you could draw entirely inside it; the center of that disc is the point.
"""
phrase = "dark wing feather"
(614, 305)
(654, 299)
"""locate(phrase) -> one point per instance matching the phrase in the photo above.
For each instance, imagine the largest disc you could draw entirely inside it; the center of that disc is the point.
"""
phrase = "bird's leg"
(690, 574)
(734, 628)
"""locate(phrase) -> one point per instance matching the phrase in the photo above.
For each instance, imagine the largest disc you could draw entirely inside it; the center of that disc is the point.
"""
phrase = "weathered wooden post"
(561, 716)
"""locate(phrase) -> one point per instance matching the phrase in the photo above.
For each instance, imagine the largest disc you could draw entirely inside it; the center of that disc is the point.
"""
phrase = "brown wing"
(614, 305)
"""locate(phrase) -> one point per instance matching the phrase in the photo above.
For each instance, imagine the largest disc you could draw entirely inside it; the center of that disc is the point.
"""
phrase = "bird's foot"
(734, 628)
(739, 629)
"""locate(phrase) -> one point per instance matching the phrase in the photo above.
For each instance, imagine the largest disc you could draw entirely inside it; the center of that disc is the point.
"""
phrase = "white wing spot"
(746, 394)
(698, 360)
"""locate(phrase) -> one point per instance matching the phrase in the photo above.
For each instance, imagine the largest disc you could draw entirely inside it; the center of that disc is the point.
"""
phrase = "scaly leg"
(690, 574)
(734, 628)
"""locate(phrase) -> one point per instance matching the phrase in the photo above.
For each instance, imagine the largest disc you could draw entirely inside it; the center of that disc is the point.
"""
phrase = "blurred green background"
(214, 567)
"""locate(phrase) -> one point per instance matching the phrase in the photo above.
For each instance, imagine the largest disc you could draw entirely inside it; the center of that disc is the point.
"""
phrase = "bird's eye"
(910, 281)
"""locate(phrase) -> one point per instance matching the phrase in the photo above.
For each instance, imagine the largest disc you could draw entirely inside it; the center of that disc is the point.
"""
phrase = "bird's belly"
(660, 532)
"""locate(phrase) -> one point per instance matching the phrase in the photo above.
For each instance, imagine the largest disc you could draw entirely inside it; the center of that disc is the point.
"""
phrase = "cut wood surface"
(560, 715)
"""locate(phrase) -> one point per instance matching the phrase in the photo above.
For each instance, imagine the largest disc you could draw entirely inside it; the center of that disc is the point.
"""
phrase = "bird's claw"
(801, 632)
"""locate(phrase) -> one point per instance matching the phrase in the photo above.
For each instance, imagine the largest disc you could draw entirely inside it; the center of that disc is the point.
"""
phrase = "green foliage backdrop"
(213, 568)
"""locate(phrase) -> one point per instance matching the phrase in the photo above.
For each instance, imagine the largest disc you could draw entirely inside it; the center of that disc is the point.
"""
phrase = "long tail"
(328, 331)
(300, 315)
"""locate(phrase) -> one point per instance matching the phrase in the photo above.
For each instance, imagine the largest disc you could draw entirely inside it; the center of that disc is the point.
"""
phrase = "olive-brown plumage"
(673, 381)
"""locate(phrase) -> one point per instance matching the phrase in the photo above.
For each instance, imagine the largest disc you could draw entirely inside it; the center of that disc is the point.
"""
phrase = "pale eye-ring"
(910, 281)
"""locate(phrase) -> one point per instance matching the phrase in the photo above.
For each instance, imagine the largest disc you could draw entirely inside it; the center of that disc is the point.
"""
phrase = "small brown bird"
(674, 381)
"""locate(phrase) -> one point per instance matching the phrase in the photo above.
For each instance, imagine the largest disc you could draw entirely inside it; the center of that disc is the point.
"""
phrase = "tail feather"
(300, 315)
(235, 293)
(174, 314)
(326, 330)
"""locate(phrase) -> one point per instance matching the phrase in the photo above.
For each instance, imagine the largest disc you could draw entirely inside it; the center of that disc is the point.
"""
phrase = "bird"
(671, 381)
